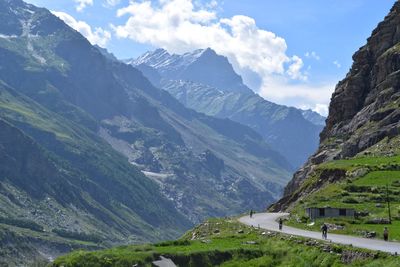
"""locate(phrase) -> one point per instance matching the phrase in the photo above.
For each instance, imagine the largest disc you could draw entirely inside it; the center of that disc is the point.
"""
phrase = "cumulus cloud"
(97, 36)
(181, 26)
(82, 4)
(321, 109)
(294, 70)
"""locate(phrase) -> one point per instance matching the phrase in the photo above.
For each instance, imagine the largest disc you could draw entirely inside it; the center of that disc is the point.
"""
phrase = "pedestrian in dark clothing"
(324, 229)
(251, 213)
(386, 234)
(280, 224)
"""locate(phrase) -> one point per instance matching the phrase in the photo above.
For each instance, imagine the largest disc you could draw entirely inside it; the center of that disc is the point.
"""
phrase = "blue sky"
(292, 52)
(334, 29)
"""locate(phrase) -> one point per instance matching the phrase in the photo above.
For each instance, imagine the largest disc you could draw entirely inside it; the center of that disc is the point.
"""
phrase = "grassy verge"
(226, 242)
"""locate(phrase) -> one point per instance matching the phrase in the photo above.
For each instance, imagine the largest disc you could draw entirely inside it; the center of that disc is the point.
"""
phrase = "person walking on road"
(324, 229)
(386, 234)
(280, 224)
(251, 213)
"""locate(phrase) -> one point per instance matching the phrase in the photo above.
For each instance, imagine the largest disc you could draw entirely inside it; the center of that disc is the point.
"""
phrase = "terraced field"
(367, 183)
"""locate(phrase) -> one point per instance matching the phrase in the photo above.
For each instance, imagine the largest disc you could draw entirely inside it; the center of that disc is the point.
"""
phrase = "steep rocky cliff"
(364, 113)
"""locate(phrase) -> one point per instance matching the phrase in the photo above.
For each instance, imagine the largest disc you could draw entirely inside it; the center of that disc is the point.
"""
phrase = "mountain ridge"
(280, 126)
(105, 126)
(190, 66)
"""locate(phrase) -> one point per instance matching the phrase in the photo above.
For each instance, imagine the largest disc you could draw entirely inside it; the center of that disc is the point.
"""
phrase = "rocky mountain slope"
(96, 155)
(207, 82)
(313, 117)
(364, 113)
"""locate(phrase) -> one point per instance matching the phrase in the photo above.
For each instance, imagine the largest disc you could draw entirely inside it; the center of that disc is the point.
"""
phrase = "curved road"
(268, 221)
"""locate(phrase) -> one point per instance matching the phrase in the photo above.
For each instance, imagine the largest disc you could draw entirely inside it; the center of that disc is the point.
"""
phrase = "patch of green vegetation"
(38, 52)
(23, 223)
(86, 166)
(358, 162)
(219, 242)
(19, 108)
(77, 235)
(22, 251)
(379, 178)
(368, 183)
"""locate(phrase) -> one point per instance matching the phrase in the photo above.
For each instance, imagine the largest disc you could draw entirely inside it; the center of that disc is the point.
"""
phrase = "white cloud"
(82, 4)
(98, 36)
(294, 70)
(322, 109)
(212, 4)
(313, 55)
(337, 64)
(305, 96)
(112, 3)
(182, 25)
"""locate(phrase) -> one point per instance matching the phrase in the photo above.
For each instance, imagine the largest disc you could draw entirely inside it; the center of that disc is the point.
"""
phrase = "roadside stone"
(378, 221)
(326, 249)
(311, 243)
(334, 226)
(349, 256)
(362, 213)
(370, 234)
(164, 262)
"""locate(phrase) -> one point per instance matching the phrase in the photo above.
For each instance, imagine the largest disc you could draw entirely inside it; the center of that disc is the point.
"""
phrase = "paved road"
(268, 221)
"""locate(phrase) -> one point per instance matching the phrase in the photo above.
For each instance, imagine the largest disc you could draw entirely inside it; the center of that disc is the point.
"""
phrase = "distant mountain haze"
(207, 83)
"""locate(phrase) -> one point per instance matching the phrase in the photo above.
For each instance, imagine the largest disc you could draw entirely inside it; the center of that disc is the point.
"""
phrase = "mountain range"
(354, 173)
(93, 154)
(206, 82)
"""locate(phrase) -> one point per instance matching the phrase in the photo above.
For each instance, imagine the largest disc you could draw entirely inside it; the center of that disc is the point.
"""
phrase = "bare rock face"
(365, 107)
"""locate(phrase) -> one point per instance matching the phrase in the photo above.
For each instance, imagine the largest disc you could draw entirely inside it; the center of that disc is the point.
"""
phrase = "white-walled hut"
(328, 212)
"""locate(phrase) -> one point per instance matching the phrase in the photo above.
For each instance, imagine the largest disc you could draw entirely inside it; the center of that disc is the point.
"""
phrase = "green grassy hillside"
(62, 187)
(62, 72)
(83, 160)
(225, 242)
(80, 132)
(363, 183)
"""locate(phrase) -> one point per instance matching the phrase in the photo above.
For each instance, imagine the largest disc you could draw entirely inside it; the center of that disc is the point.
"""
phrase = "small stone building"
(328, 212)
